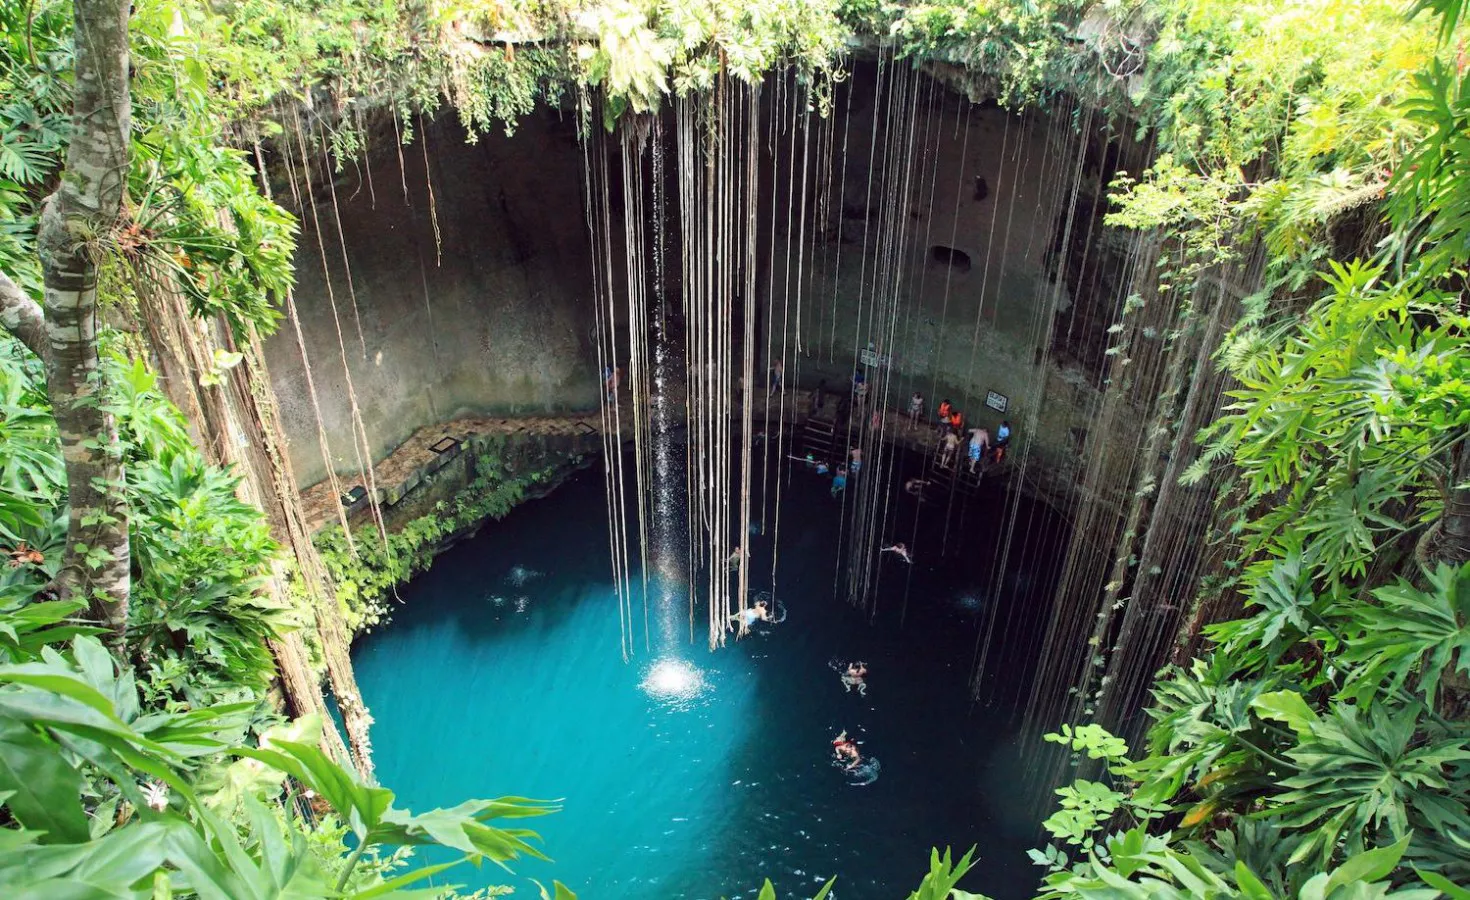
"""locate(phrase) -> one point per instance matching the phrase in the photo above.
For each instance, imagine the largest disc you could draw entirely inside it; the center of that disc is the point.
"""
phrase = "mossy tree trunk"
(76, 223)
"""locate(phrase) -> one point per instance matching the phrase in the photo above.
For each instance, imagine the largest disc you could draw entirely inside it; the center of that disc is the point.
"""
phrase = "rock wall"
(498, 318)
(495, 319)
(995, 206)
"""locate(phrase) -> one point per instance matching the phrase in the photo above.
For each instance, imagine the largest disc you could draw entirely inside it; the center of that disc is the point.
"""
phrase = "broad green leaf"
(1368, 866)
(1288, 707)
(1441, 883)
(393, 885)
(46, 789)
(1251, 887)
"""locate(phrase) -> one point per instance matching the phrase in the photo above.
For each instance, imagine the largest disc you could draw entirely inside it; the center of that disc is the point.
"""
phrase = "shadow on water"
(721, 776)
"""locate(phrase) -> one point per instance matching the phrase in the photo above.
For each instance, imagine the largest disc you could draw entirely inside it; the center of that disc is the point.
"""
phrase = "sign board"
(871, 358)
(997, 402)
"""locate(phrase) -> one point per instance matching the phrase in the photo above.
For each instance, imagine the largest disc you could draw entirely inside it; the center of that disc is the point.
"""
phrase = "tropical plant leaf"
(45, 789)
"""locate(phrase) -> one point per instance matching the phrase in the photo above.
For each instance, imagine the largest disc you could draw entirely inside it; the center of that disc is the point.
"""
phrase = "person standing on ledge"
(948, 445)
(839, 481)
(916, 409)
(979, 446)
(778, 371)
(1002, 438)
(737, 556)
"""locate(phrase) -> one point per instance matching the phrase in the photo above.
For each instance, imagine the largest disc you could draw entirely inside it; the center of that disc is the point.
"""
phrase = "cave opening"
(798, 439)
(547, 274)
(958, 260)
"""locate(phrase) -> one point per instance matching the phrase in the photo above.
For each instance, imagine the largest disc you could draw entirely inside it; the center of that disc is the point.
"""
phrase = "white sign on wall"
(872, 358)
(997, 402)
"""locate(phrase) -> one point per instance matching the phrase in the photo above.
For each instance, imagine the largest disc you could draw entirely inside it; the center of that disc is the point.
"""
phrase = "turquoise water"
(501, 674)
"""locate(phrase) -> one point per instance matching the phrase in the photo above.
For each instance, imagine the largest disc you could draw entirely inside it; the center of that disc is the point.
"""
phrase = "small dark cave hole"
(958, 260)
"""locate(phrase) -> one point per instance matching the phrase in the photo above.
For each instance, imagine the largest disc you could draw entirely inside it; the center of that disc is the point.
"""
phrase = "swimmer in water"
(915, 486)
(749, 616)
(854, 678)
(845, 748)
(901, 550)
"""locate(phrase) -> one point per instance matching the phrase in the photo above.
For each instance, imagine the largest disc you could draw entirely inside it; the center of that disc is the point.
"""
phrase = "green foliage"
(199, 617)
(1342, 425)
(74, 744)
(34, 120)
(1271, 121)
(1410, 636)
(1320, 748)
(1027, 48)
(194, 209)
(366, 573)
(1429, 205)
(1367, 777)
(492, 89)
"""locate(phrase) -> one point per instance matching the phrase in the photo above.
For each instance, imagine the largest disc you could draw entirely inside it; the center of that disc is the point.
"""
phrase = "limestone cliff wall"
(496, 319)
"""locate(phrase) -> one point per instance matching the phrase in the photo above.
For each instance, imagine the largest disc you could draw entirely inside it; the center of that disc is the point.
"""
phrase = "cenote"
(698, 449)
(688, 773)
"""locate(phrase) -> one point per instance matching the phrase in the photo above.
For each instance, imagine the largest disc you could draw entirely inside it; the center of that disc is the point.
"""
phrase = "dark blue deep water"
(501, 674)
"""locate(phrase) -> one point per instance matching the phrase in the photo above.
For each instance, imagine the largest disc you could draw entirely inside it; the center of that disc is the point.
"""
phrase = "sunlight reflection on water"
(677, 682)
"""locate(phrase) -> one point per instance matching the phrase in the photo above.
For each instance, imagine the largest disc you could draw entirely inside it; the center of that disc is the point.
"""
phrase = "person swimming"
(853, 677)
(760, 612)
(845, 749)
(901, 550)
(915, 486)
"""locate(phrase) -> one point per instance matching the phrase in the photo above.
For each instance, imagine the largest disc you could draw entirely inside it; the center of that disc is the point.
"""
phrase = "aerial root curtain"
(756, 167)
(715, 151)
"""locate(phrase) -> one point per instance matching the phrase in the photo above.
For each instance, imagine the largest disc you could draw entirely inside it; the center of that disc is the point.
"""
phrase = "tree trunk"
(1453, 546)
(22, 317)
(227, 430)
(76, 222)
(280, 497)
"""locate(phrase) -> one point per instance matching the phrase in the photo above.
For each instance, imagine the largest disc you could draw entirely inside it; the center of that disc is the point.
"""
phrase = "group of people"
(844, 748)
(979, 448)
(845, 470)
